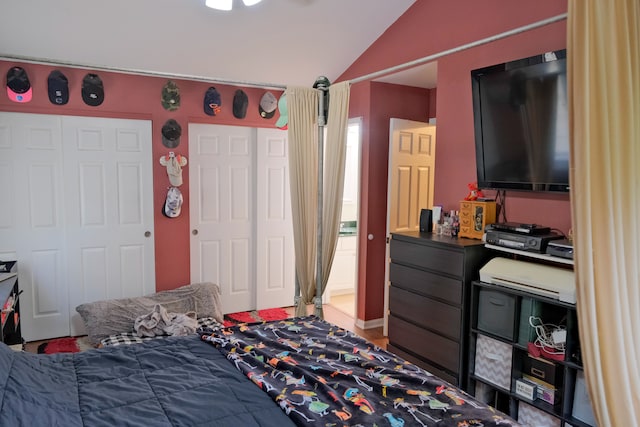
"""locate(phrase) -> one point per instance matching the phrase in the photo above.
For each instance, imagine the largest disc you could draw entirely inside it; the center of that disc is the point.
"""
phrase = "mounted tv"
(521, 124)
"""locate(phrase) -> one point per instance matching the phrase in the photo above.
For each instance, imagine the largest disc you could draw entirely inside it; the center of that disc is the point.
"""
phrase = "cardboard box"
(545, 391)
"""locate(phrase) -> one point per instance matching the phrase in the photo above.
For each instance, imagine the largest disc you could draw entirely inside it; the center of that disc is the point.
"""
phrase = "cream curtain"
(302, 105)
(335, 152)
(604, 92)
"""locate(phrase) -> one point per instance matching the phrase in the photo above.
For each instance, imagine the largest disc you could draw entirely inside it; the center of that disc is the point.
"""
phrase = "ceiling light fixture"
(228, 4)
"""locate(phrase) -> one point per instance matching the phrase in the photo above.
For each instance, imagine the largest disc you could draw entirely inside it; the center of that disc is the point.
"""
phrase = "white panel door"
(221, 195)
(109, 210)
(411, 171)
(275, 266)
(32, 220)
(78, 201)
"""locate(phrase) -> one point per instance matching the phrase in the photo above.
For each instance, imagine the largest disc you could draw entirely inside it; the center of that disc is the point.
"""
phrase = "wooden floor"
(331, 314)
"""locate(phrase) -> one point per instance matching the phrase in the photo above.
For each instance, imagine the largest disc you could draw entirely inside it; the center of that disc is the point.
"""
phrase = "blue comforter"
(178, 381)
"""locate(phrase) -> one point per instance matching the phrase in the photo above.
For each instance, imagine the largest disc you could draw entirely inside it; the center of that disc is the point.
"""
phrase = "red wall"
(383, 101)
(138, 97)
(429, 27)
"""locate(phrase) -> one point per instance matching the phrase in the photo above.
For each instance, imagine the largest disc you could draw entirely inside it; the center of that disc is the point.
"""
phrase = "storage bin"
(496, 311)
(544, 370)
(530, 416)
(528, 307)
(581, 403)
(493, 361)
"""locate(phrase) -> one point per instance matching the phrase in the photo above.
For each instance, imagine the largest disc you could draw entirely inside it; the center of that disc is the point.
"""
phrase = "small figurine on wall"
(474, 191)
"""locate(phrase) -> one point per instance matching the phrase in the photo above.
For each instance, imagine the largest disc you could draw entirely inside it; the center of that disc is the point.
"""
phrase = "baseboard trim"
(370, 324)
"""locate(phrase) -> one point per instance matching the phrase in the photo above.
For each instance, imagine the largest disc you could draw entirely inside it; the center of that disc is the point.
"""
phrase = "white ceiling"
(277, 42)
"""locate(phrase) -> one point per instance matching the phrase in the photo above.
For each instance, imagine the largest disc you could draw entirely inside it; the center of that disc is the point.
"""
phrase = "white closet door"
(79, 197)
(221, 202)
(240, 215)
(32, 228)
(109, 204)
(275, 266)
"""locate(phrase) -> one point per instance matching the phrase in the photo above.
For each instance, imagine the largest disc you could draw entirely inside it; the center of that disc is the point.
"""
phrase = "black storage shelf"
(10, 331)
(567, 368)
(555, 410)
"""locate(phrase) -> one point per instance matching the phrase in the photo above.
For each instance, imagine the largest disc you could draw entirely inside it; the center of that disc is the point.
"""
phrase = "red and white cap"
(18, 86)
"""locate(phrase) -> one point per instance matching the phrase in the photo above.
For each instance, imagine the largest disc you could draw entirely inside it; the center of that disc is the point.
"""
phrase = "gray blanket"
(161, 322)
(111, 317)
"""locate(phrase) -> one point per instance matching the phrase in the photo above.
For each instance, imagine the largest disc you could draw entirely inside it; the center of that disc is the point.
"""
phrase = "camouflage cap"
(170, 96)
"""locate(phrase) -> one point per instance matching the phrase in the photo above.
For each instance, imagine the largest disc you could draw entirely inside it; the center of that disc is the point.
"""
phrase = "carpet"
(65, 345)
(255, 316)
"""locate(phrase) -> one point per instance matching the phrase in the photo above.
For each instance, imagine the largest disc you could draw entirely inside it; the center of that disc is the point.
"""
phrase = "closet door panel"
(275, 267)
(108, 178)
(240, 215)
(32, 229)
(221, 195)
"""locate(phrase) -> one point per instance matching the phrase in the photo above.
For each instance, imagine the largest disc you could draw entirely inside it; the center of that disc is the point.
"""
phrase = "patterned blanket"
(323, 375)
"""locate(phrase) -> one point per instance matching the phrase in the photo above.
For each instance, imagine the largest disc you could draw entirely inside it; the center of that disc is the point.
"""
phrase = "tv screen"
(521, 124)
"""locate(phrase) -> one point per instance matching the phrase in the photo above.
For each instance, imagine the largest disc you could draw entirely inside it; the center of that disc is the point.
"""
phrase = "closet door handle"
(147, 234)
(194, 232)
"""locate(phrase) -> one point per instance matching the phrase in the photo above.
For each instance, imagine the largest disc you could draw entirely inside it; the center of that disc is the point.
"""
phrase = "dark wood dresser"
(429, 300)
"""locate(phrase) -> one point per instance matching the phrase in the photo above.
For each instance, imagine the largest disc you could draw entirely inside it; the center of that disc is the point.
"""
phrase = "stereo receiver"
(532, 243)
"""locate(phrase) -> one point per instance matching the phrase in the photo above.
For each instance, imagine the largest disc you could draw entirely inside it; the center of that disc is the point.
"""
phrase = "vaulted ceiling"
(280, 42)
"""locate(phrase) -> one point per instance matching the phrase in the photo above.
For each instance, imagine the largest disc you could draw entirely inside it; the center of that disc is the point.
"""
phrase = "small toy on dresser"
(474, 192)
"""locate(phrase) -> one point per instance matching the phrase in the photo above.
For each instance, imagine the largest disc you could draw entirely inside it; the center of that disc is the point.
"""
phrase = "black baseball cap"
(171, 132)
(58, 86)
(240, 104)
(92, 90)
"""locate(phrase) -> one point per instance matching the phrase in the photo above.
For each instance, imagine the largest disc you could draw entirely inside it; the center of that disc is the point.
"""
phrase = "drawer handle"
(537, 372)
(494, 356)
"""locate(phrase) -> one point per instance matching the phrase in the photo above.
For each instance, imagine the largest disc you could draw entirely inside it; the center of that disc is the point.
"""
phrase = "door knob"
(147, 233)
(194, 232)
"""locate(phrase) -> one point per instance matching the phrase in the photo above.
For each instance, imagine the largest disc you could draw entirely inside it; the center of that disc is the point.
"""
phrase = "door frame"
(385, 327)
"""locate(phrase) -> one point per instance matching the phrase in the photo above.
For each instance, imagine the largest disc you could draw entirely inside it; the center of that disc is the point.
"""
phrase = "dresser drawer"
(437, 259)
(425, 283)
(426, 312)
(443, 375)
(428, 345)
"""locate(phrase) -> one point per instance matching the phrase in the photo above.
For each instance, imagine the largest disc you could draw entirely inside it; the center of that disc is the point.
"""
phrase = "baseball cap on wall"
(173, 203)
(171, 131)
(240, 104)
(58, 87)
(92, 90)
(170, 96)
(268, 105)
(283, 120)
(212, 101)
(18, 85)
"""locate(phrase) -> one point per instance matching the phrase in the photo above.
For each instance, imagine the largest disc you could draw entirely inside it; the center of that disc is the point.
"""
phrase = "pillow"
(109, 317)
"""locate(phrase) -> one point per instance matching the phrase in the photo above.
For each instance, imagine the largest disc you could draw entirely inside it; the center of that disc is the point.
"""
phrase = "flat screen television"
(521, 124)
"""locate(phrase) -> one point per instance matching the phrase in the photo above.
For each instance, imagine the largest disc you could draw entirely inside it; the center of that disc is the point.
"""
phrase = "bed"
(301, 371)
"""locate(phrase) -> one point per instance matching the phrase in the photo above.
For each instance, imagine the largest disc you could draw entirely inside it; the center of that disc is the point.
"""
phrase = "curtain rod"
(435, 56)
(370, 76)
(43, 61)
